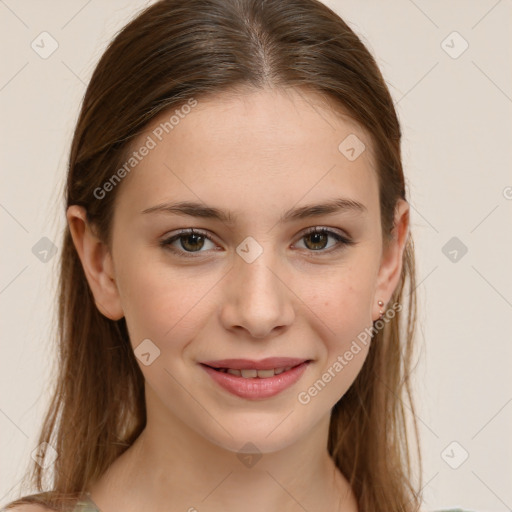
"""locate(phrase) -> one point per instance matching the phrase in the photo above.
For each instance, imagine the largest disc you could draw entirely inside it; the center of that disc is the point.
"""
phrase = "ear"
(391, 262)
(96, 262)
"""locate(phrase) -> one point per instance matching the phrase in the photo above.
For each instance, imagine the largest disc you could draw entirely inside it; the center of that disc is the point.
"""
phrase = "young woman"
(237, 298)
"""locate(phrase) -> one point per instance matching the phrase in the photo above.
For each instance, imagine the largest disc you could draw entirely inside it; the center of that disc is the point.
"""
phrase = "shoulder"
(27, 507)
(454, 510)
(51, 502)
(45, 502)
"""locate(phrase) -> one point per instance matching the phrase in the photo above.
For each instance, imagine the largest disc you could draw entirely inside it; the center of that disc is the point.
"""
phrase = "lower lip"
(256, 388)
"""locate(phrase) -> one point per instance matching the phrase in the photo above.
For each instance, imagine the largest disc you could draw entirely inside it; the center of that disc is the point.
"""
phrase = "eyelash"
(342, 241)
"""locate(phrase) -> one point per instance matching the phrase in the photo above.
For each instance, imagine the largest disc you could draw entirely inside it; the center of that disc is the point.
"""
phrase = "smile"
(248, 374)
(256, 383)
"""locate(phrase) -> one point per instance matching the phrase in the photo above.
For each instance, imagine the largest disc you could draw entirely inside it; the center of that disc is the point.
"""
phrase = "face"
(266, 273)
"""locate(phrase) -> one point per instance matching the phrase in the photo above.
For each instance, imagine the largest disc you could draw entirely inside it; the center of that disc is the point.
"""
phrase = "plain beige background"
(448, 68)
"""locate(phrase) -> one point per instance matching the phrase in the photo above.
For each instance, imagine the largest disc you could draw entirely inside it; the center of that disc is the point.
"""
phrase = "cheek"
(162, 305)
(344, 299)
(348, 340)
(343, 309)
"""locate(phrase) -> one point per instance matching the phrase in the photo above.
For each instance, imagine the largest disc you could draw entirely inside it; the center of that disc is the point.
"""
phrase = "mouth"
(256, 379)
(252, 373)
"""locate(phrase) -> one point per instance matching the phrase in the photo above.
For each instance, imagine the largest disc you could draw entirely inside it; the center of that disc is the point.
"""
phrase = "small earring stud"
(381, 312)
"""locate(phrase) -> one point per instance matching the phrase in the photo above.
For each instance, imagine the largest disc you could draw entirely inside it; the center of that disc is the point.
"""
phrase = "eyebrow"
(195, 209)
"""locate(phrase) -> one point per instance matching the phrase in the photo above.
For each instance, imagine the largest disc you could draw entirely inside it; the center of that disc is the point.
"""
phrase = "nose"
(257, 299)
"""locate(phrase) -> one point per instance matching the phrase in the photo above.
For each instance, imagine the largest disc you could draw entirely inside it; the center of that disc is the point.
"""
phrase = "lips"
(253, 373)
(256, 380)
(269, 363)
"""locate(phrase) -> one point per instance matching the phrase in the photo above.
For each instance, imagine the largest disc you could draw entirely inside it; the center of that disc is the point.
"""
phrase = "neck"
(171, 467)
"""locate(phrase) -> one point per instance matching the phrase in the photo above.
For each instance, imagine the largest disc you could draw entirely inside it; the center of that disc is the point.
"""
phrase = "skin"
(257, 154)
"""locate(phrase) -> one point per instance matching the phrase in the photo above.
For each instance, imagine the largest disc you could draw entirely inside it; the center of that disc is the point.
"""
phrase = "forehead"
(252, 151)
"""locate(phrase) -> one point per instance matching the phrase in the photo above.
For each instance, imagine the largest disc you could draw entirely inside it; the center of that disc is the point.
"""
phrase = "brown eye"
(186, 242)
(317, 240)
(191, 242)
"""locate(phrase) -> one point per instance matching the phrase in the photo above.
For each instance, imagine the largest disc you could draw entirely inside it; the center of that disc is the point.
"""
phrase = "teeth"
(252, 373)
(249, 373)
(262, 374)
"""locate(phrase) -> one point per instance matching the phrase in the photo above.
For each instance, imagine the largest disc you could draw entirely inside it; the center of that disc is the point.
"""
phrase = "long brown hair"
(173, 51)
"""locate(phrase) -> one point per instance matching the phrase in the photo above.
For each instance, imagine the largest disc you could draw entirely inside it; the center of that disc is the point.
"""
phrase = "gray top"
(86, 504)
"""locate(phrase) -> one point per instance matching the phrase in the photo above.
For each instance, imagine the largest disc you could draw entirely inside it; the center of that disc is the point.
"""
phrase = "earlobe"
(392, 255)
(97, 263)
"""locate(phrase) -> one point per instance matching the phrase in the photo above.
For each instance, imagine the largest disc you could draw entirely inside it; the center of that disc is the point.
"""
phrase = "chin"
(255, 434)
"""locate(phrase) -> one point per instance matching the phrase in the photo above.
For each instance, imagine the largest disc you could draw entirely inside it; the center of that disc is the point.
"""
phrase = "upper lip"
(249, 364)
